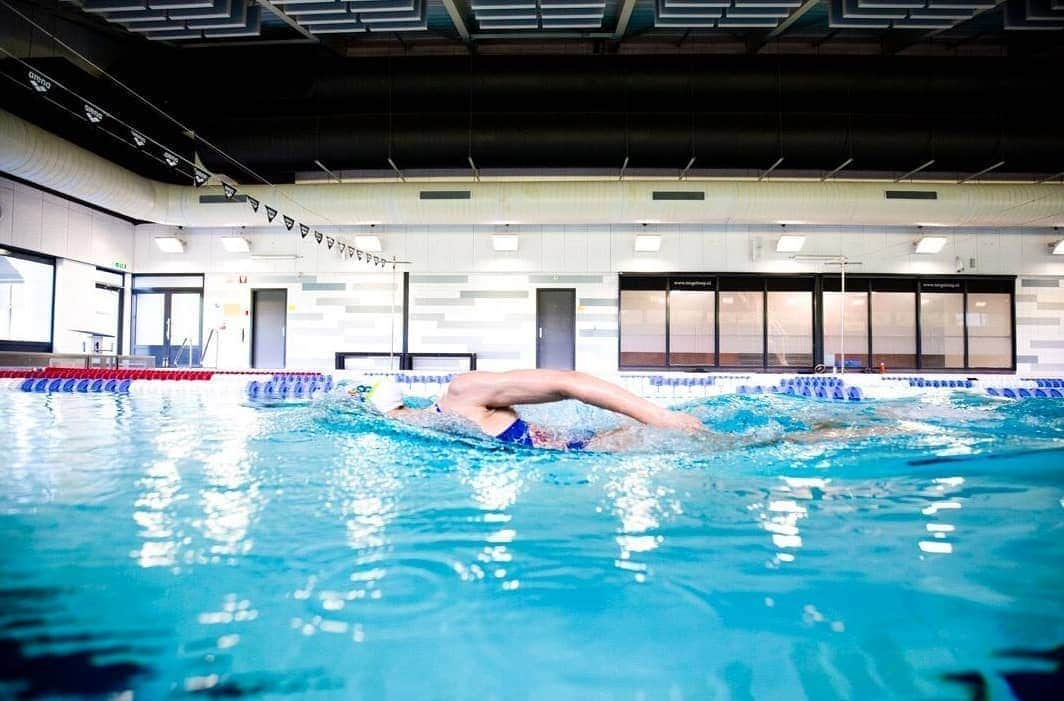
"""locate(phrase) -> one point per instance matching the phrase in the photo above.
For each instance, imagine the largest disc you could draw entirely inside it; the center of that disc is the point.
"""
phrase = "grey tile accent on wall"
(596, 302)
(443, 302)
(438, 279)
(323, 286)
(1050, 306)
(305, 316)
(1035, 321)
(1039, 282)
(589, 279)
(1047, 344)
(1054, 367)
(373, 309)
(427, 316)
(1026, 358)
(493, 294)
(1026, 298)
(598, 333)
(513, 325)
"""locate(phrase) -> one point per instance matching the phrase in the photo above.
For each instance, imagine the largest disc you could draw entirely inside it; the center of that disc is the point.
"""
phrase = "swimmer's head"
(382, 394)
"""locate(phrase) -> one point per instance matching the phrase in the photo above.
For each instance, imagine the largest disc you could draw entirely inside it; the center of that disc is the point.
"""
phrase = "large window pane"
(107, 319)
(185, 319)
(691, 327)
(149, 320)
(741, 330)
(790, 329)
(942, 330)
(989, 330)
(642, 327)
(25, 300)
(846, 322)
(894, 329)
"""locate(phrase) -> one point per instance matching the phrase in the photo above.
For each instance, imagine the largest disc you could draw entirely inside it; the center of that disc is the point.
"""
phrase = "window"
(846, 328)
(27, 290)
(790, 328)
(893, 330)
(989, 324)
(942, 330)
(642, 322)
(742, 328)
(691, 321)
(792, 322)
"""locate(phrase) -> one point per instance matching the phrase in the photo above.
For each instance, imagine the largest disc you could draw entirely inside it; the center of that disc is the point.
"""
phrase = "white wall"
(80, 238)
(465, 297)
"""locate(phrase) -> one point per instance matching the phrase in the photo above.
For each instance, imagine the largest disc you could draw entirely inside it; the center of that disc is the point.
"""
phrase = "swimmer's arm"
(540, 386)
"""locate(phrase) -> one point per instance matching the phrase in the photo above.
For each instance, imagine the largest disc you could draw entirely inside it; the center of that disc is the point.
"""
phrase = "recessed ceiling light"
(930, 244)
(1058, 248)
(368, 243)
(504, 242)
(170, 244)
(236, 244)
(648, 243)
(790, 244)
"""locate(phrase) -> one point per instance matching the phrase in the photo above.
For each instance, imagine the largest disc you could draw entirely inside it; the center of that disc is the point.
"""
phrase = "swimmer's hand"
(679, 421)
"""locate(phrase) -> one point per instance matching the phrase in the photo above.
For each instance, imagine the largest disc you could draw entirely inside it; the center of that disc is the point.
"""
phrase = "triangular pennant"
(270, 213)
(376, 260)
(304, 230)
(289, 222)
(254, 204)
(199, 176)
(318, 236)
(138, 138)
(230, 191)
(330, 241)
(171, 159)
(359, 251)
(343, 247)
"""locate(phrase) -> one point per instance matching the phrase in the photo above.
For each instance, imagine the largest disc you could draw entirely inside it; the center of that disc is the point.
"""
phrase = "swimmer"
(487, 399)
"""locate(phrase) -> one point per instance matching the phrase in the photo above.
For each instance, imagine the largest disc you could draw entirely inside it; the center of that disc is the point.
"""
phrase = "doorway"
(269, 318)
(168, 325)
(556, 328)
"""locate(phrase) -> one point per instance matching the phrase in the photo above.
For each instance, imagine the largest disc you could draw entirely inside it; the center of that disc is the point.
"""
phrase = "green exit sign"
(120, 265)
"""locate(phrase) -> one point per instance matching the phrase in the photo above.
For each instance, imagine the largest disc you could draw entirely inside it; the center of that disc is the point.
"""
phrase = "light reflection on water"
(313, 553)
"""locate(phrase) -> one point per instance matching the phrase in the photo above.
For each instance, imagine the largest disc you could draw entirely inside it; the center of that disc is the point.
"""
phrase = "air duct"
(33, 154)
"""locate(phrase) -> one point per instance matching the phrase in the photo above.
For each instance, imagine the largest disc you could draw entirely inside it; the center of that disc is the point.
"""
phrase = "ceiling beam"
(623, 18)
(267, 5)
(897, 44)
(458, 18)
(793, 17)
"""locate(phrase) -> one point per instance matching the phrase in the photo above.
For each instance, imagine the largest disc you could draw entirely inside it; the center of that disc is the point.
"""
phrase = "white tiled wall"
(464, 296)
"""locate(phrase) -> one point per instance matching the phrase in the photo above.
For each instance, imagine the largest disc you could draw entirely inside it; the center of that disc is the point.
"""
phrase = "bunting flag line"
(230, 191)
(343, 247)
(138, 138)
(329, 242)
(304, 230)
(199, 176)
(318, 236)
(171, 159)
(289, 222)
(270, 213)
(254, 203)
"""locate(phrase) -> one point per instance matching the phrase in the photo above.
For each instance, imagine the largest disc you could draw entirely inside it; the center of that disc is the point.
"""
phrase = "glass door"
(168, 324)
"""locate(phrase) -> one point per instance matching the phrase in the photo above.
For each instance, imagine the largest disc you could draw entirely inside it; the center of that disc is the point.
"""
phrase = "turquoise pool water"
(159, 546)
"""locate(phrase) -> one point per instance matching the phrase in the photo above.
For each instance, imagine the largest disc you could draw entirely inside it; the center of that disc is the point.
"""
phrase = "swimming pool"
(178, 544)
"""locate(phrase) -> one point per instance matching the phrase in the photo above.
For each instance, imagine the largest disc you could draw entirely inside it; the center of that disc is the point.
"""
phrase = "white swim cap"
(386, 396)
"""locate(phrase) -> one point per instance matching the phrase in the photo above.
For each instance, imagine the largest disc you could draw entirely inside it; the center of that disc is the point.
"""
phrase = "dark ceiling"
(880, 101)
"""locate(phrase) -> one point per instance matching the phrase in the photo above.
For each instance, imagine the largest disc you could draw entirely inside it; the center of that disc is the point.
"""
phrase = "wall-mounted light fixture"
(236, 244)
(368, 243)
(929, 244)
(789, 243)
(647, 243)
(170, 244)
(504, 242)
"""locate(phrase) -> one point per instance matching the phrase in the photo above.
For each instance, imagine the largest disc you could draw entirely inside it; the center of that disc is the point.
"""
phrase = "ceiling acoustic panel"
(176, 20)
(492, 15)
(722, 14)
